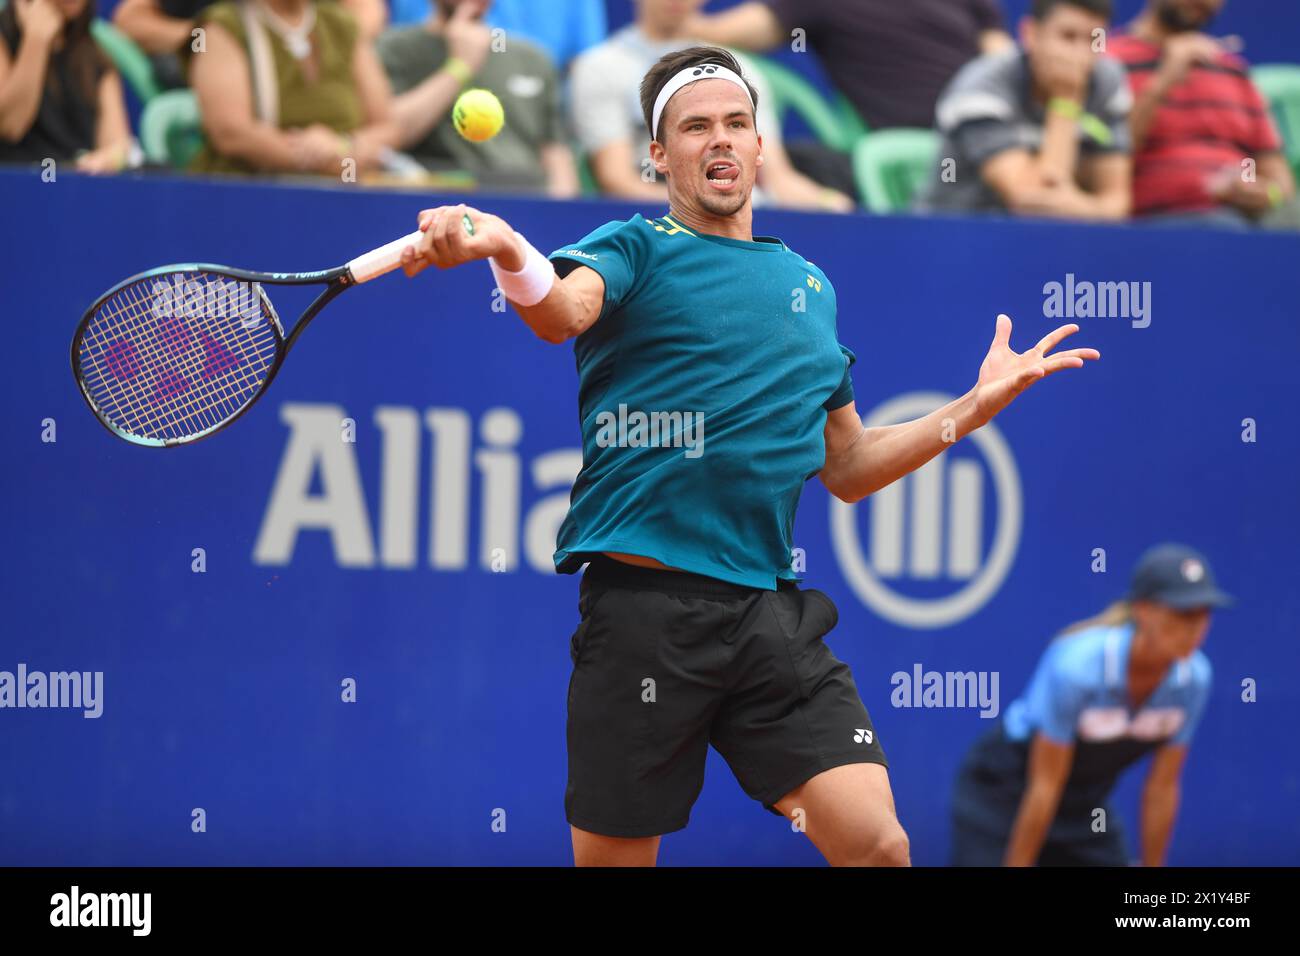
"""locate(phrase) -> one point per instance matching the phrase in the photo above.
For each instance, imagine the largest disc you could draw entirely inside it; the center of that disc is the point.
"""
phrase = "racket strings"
(172, 369)
(176, 354)
(176, 338)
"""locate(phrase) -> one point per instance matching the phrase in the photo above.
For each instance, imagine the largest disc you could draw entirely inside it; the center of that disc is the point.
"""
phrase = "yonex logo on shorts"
(862, 736)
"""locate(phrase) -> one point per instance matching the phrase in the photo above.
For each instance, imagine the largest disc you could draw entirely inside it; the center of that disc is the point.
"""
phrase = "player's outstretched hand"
(1004, 374)
(454, 235)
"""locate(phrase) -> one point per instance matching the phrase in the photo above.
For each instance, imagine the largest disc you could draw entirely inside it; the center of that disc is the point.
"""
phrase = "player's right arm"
(573, 303)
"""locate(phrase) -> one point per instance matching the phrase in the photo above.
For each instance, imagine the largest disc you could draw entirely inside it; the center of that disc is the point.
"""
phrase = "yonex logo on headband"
(705, 71)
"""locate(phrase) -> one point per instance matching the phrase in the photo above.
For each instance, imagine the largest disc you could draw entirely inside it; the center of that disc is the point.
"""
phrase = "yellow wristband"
(1275, 195)
(458, 68)
(1069, 108)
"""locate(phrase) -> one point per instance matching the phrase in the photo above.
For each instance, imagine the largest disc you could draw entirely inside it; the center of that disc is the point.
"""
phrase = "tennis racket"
(174, 354)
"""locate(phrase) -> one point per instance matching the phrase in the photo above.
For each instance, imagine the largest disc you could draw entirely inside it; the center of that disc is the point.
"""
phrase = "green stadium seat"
(171, 130)
(890, 165)
(1280, 85)
(835, 125)
(129, 59)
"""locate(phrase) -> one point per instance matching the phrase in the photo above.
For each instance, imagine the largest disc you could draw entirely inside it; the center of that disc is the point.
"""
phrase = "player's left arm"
(860, 461)
(1160, 796)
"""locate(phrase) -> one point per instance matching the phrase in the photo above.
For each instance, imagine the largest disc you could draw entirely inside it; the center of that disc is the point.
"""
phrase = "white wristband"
(532, 283)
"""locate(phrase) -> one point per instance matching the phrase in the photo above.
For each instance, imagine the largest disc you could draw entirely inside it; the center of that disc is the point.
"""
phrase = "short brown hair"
(670, 64)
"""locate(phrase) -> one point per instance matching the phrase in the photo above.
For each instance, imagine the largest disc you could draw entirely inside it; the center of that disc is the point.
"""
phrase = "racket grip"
(381, 261)
(386, 258)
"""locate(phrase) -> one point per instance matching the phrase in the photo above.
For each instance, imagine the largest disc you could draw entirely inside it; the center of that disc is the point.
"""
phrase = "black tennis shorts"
(666, 663)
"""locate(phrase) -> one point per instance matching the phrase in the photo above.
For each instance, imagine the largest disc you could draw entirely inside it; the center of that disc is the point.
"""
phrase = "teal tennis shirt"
(702, 391)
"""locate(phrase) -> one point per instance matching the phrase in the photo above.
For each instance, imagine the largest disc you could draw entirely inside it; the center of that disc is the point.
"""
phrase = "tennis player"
(711, 386)
(1108, 691)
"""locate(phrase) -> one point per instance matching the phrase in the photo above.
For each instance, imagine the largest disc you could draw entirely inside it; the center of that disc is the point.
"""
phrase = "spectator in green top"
(430, 64)
(161, 27)
(289, 86)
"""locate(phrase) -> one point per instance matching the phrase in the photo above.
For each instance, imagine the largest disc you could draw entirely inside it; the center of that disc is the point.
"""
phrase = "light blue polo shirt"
(1079, 694)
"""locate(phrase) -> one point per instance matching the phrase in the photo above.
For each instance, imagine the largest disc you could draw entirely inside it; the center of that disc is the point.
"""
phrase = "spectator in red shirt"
(1204, 144)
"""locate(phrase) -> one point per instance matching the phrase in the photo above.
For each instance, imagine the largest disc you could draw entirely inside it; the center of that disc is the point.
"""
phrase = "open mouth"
(722, 175)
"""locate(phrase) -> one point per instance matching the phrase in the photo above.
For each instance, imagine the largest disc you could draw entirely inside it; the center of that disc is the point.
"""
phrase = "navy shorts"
(666, 663)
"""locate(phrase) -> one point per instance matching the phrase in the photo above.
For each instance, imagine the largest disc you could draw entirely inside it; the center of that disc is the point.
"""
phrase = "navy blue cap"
(1178, 577)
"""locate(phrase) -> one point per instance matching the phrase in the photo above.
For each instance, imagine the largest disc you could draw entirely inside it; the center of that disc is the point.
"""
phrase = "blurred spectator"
(610, 126)
(1197, 118)
(404, 12)
(564, 28)
(430, 64)
(1039, 132)
(162, 27)
(289, 85)
(889, 57)
(60, 98)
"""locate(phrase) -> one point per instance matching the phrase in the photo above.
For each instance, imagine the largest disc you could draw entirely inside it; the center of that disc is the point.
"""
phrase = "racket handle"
(381, 261)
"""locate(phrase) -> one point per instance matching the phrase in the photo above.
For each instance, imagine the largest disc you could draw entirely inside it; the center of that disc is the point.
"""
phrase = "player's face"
(1175, 634)
(710, 150)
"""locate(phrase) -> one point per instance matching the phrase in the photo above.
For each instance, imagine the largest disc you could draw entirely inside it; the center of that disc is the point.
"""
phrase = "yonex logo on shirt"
(580, 254)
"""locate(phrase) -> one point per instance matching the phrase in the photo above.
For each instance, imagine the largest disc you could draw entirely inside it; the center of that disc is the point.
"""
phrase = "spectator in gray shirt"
(1042, 130)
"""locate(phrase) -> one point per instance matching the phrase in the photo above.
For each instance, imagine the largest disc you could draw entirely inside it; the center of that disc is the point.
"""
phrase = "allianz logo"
(392, 537)
(926, 552)
(925, 563)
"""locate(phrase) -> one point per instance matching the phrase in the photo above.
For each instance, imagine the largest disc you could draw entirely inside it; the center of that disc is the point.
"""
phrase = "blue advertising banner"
(333, 634)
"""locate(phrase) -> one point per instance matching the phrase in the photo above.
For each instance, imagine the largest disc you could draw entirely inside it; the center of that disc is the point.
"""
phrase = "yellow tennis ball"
(477, 115)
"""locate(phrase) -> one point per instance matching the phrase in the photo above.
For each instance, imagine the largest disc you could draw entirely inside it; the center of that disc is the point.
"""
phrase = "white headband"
(705, 71)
